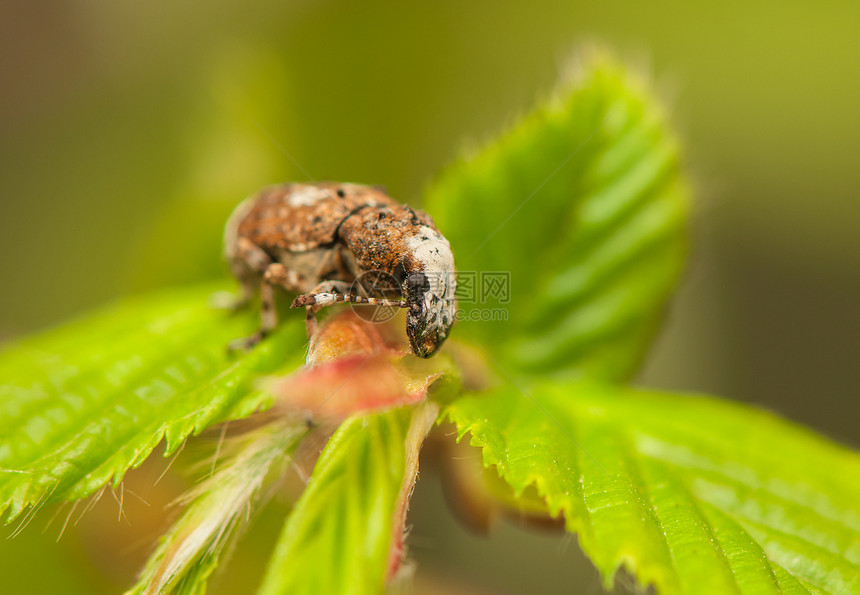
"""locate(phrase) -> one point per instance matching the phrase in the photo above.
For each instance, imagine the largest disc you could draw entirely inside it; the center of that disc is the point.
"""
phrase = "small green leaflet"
(690, 493)
(569, 230)
(218, 509)
(82, 404)
(340, 535)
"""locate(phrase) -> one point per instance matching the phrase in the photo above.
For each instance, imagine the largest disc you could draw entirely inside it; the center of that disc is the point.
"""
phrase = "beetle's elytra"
(321, 240)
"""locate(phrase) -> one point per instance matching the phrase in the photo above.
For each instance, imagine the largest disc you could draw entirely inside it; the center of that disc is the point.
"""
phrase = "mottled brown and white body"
(330, 242)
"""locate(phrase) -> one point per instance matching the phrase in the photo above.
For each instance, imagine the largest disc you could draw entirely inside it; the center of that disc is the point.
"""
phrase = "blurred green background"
(128, 130)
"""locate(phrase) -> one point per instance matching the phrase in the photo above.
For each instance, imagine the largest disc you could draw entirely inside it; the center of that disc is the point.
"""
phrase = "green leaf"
(84, 403)
(342, 536)
(583, 204)
(690, 493)
(217, 509)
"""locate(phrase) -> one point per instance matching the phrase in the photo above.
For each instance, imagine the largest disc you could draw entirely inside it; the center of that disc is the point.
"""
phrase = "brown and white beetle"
(325, 241)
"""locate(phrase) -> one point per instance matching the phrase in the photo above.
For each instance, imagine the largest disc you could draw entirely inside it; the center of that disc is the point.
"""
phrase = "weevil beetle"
(319, 240)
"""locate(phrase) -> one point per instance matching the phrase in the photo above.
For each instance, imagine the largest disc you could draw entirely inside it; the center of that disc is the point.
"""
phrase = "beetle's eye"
(400, 272)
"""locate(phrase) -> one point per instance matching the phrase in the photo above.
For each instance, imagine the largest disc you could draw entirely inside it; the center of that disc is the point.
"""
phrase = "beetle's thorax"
(378, 237)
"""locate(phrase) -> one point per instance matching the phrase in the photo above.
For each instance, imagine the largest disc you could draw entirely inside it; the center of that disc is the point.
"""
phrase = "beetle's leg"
(253, 256)
(248, 262)
(320, 300)
(324, 288)
(274, 274)
(316, 300)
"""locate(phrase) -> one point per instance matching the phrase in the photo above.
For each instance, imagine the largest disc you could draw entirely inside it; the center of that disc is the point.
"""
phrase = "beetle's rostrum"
(325, 241)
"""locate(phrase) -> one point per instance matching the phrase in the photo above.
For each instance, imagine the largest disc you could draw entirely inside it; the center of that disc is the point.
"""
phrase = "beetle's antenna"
(327, 299)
